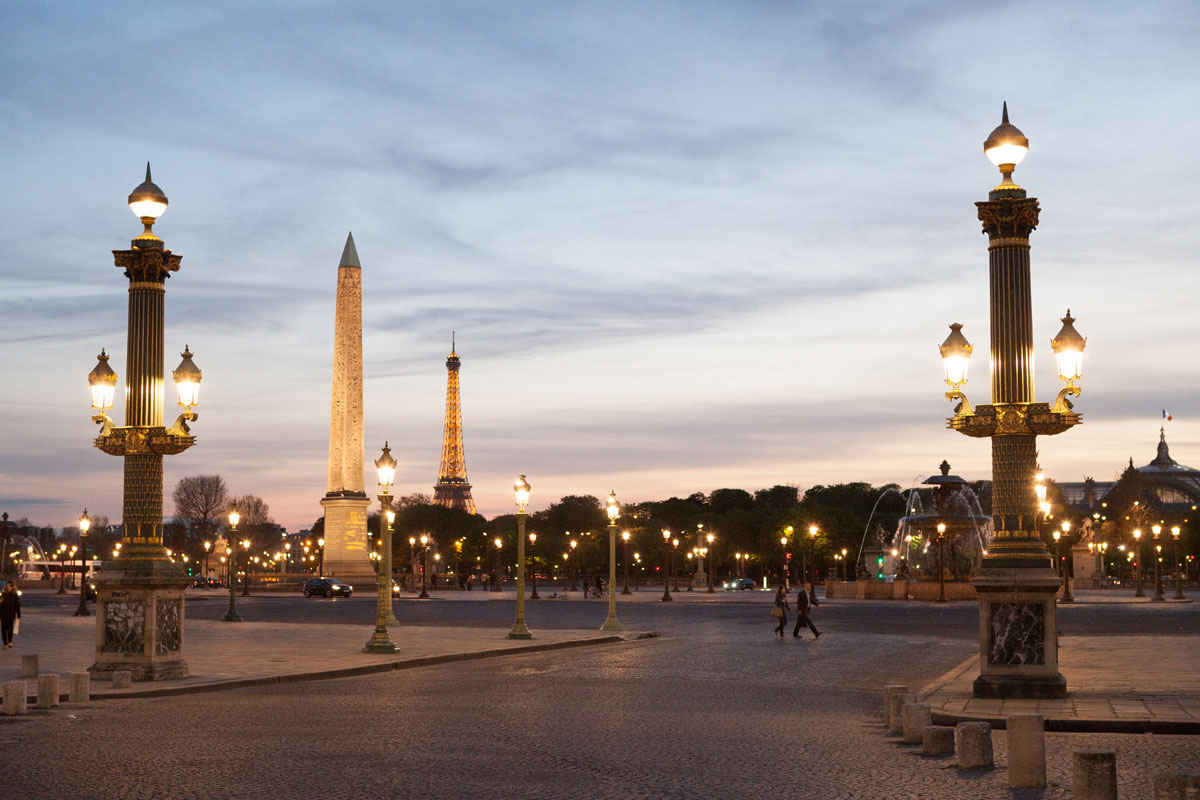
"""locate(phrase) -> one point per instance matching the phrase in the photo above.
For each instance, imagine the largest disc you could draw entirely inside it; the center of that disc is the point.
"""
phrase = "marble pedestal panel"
(1018, 634)
(140, 620)
(347, 556)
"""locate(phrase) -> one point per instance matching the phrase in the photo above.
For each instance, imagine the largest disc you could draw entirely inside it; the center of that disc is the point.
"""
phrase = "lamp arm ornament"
(180, 428)
(964, 407)
(105, 422)
(1061, 404)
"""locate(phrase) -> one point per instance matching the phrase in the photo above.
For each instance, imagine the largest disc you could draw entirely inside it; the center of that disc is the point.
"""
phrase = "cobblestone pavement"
(713, 708)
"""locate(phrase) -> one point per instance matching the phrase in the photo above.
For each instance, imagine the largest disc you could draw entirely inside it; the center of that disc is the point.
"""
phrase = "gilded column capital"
(147, 265)
(1009, 217)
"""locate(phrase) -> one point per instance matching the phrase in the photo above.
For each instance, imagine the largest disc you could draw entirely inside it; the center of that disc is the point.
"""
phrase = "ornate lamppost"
(1016, 584)
(380, 641)
(207, 547)
(533, 595)
(84, 527)
(710, 553)
(783, 559)
(625, 558)
(232, 615)
(1137, 546)
(1178, 569)
(1065, 573)
(666, 534)
(941, 542)
(611, 623)
(813, 530)
(499, 544)
(573, 570)
(1156, 530)
(424, 564)
(521, 492)
(140, 603)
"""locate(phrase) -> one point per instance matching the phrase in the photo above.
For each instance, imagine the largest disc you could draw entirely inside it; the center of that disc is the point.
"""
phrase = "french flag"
(1167, 416)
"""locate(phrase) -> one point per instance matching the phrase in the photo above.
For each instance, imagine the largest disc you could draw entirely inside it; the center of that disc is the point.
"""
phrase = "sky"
(684, 245)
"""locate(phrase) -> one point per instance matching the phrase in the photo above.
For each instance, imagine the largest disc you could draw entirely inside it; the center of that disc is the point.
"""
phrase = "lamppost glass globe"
(103, 383)
(1006, 147)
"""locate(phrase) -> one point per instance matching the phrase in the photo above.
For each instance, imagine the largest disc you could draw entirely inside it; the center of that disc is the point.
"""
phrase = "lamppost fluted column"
(625, 561)
(232, 614)
(380, 641)
(1016, 582)
(666, 567)
(519, 629)
(611, 623)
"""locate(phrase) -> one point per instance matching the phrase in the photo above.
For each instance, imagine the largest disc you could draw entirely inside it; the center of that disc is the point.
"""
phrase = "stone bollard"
(15, 700)
(1095, 775)
(937, 740)
(29, 666)
(47, 690)
(1176, 787)
(896, 721)
(81, 687)
(888, 691)
(122, 679)
(914, 719)
(1026, 737)
(973, 745)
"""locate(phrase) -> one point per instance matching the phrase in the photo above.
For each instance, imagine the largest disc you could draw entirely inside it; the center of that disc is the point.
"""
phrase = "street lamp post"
(1016, 585)
(521, 489)
(84, 527)
(207, 547)
(1155, 530)
(783, 560)
(1068, 596)
(813, 530)
(613, 508)
(572, 569)
(232, 615)
(533, 595)
(499, 544)
(666, 534)
(1137, 544)
(145, 581)
(709, 555)
(424, 564)
(246, 571)
(941, 540)
(1178, 573)
(625, 559)
(380, 641)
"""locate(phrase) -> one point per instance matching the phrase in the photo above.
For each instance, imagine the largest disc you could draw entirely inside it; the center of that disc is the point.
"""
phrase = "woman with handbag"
(10, 612)
(779, 611)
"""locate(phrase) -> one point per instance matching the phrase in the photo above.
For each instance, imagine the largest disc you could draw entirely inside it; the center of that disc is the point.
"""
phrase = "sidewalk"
(1116, 684)
(223, 655)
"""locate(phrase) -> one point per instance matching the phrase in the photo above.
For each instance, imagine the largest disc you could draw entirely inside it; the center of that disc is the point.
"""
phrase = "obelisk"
(345, 503)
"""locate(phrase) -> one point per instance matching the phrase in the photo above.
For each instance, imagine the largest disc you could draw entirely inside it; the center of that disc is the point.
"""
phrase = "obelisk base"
(347, 556)
(139, 620)
(1018, 634)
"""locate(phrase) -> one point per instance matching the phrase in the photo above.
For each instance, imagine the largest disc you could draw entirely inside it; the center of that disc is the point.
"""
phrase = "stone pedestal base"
(1018, 634)
(140, 620)
(347, 556)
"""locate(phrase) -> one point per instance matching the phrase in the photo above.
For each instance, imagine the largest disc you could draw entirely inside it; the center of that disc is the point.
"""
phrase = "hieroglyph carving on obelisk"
(345, 503)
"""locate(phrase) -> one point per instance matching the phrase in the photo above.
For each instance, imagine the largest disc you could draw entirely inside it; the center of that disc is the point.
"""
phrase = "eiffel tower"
(452, 489)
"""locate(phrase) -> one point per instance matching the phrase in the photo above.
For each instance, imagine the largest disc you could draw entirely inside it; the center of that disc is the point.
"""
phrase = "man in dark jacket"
(10, 611)
(803, 604)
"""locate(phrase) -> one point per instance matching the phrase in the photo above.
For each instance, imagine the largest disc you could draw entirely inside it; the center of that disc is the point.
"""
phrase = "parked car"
(327, 587)
(738, 583)
(199, 581)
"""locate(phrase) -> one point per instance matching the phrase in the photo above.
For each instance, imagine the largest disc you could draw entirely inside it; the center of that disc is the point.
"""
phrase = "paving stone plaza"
(712, 705)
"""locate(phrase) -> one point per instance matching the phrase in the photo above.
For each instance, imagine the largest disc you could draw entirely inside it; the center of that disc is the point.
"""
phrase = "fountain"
(907, 565)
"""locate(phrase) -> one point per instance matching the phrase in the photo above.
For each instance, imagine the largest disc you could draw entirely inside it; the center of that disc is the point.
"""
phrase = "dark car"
(327, 587)
(738, 583)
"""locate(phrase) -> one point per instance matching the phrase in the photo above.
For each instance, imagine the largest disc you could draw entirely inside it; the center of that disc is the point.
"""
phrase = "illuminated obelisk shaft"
(346, 552)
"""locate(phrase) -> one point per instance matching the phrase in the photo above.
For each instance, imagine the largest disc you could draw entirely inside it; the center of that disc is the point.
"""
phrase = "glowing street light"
(613, 508)
(234, 518)
(521, 489)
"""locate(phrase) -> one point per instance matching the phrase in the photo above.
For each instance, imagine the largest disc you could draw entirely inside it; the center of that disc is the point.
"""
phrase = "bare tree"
(414, 499)
(256, 523)
(199, 501)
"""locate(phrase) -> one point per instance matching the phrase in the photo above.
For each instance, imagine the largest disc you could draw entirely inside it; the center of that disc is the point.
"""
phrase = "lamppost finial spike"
(1004, 115)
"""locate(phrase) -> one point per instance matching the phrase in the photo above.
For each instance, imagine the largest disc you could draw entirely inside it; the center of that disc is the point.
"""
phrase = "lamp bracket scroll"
(180, 428)
(1061, 404)
(964, 407)
(106, 424)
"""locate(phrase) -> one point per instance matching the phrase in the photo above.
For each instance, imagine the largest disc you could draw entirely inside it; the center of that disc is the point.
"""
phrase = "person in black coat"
(803, 604)
(10, 611)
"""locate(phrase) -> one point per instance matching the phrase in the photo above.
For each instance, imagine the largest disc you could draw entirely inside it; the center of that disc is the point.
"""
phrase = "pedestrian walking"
(804, 604)
(599, 586)
(780, 609)
(10, 612)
